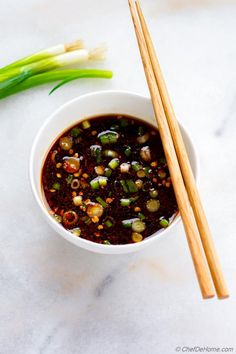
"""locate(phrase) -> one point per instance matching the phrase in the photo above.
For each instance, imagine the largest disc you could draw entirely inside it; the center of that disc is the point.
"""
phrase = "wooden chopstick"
(190, 184)
(173, 165)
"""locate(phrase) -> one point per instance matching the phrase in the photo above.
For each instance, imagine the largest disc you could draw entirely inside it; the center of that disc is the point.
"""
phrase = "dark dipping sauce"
(106, 180)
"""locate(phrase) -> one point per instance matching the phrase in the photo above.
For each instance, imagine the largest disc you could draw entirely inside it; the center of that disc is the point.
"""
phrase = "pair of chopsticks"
(186, 193)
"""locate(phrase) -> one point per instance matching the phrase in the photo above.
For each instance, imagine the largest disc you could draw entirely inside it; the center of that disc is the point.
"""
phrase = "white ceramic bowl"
(93, 104)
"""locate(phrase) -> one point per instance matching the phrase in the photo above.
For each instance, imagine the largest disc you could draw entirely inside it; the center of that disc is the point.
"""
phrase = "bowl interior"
(76, 110)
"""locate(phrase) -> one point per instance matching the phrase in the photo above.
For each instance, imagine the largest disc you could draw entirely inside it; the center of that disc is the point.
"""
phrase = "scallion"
(131, 186)
(110, 153)
(75, 132)
(102, 202)
(86, 124)
(125, 202)
(164, 223)
(127, 151)
(50, 63)
(108, 137)
(123, 184)
(56, 186)
(114, 163)
(69, 179)
(153, 205)
(24, 83)
(128, 223)
(128, 201)
(107, 172)
(109, 222)
(45, 54)
(138, 226)
(95, 183)
(141, 216)
(128, 186)
(106, 242)
(96, 151)
(136, 166)
(98, 182)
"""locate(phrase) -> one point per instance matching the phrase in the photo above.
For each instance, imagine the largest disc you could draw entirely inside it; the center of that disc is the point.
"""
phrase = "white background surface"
(55, 298)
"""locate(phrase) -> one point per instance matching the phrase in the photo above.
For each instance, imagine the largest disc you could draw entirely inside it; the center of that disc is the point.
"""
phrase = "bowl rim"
(87, 244)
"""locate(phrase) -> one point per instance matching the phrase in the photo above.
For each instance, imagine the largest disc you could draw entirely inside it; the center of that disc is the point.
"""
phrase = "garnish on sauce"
(106, 180)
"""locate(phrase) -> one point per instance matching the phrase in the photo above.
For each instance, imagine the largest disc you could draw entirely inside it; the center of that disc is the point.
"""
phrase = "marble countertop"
(58, 299)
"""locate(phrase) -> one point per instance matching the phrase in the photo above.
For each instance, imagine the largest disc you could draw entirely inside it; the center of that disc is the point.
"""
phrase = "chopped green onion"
(153, 193)
(141, 216)
(136, 237)
(164, 223)
(109, 222)
(136, 166)
(153, 205)
(128, 186)
(76, 231)
(110, 153)
(147, 171)
(128, 223)
(87, 220)
(125, 201)
(56, 186)
(108, 137)
(138, 226)
(131, 186)
(86, 124)
(96, 151)
(107, 172)
(57, 218)
(99, 155)
(106, 242)
(69, 179)
(75, 132)
(114, 163)
(95, 183)
(102, 202)
(123, 184)
(128, 151)
(102, 181)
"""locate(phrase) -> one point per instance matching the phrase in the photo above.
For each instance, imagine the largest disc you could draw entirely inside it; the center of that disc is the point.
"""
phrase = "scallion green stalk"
(54, 76)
